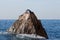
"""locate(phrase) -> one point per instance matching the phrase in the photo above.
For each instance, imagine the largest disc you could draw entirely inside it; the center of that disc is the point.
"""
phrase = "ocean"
(51, 26)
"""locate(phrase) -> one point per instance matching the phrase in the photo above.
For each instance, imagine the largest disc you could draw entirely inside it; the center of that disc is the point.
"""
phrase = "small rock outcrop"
(28, 23)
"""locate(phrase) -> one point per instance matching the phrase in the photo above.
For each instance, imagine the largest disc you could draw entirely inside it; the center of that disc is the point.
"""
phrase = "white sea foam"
(29, 36)
(3, 33)
(25, 35)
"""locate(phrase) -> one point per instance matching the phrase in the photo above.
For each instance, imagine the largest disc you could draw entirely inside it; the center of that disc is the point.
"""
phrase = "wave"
(34, 36)
(29, 35)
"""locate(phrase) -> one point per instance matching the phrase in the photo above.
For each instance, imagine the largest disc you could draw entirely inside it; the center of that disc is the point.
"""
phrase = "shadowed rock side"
(28, 24)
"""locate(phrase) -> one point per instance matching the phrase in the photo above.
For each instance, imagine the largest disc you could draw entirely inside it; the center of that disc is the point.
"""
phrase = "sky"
(43, 9)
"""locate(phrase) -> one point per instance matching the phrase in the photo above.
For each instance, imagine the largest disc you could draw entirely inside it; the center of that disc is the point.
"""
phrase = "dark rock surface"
(28, 23)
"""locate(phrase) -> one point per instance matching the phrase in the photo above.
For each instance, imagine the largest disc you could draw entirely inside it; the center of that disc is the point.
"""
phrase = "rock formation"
(28, 23)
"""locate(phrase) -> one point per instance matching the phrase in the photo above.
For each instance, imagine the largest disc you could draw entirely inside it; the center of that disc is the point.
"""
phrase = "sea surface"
(52, 28)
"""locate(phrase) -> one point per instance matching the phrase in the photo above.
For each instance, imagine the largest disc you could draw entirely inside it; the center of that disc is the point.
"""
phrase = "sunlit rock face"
(28, 23)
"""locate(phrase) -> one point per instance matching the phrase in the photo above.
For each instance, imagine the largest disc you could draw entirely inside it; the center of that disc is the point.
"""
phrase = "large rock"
(28, 24)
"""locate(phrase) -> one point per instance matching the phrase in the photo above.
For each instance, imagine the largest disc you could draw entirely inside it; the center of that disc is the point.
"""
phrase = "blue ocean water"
(52, 28)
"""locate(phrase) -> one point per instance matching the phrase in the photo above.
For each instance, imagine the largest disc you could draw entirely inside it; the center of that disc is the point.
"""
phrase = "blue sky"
(44, 9)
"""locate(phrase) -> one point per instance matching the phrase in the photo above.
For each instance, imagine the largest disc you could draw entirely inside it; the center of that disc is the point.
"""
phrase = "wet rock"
(27, 23)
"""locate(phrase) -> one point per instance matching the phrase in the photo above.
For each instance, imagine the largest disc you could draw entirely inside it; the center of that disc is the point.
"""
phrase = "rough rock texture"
(28, 24)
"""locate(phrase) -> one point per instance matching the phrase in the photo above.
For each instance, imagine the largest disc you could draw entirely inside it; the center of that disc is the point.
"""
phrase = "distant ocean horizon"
(52, 27)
